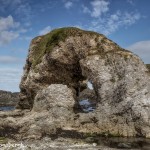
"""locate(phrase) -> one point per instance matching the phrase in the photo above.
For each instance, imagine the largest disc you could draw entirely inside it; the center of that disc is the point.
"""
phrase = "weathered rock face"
(8, 98)
(58, 100)
(60, 61)
(122, 85)
(49, 98)
(55, 59)
(53, 109)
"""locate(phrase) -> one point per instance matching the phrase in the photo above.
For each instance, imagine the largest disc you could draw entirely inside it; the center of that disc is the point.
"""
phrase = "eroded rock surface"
(58, 63)
(55, 59)
(56, 95)
(122, 86)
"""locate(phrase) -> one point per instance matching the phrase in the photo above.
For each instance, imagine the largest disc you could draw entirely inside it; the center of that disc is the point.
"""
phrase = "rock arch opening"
(86, 98)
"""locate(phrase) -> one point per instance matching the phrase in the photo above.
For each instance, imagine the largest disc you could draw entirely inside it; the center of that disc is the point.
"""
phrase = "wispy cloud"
(141, 48)
(99, 7)
(8, 22)
(106, 22)
(7, 29)
(130, 2)
(21, 8)
(7, 36)
(113, 22)
(45, 5)
(68, 4)
(45, 30)
(86, 10)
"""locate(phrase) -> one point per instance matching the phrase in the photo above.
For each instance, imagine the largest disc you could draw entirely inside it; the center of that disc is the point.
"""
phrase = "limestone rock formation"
(8, 98)
(58, 100)
(122, 86)
(57, 66)
(55, 59)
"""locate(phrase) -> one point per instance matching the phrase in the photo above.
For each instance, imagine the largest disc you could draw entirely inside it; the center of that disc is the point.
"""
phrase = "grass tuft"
(52, 39)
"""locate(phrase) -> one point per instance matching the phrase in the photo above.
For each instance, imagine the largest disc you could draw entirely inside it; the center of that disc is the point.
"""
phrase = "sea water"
(7, 108)
(87, 105)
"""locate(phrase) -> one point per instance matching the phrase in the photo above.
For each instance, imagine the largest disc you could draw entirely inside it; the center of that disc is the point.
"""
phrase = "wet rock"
(124, 145)
(91, 140)
(87, 100)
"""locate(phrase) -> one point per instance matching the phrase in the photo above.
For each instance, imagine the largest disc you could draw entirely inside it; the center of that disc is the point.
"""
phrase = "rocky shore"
(59, 67)
(78, 143)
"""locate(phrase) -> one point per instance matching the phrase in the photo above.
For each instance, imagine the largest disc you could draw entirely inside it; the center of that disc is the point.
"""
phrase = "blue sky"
(126, 22)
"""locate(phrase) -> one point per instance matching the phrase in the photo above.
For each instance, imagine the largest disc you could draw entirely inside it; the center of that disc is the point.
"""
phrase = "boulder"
(56, 95)
(58, 101)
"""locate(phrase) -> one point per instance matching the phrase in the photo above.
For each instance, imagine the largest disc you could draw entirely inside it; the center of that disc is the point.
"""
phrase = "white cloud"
(118, 20)
(7, 36)
(24, 9)
(45, 30)
(10, 59)
(110, 24)
(99, 7)
(130, 18)
(9, 30)
(21, 8)
(10, 79)
(86, 9)
(7, 27)
(142, 49)
(68, 4)
(8, 22)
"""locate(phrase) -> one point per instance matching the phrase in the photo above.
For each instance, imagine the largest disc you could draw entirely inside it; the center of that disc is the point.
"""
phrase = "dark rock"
(92, 140)
(8, 98)
(124, 145)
